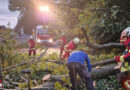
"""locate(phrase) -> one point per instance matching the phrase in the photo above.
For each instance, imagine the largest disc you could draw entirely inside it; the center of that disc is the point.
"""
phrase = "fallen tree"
(96, 73)
(24, 63)
(100, 47)
(104, 62)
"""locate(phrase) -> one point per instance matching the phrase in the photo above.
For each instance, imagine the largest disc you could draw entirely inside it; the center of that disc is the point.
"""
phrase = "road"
(49, 51)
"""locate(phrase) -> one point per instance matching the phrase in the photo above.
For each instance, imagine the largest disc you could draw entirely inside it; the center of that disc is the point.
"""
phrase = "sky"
(6, 15)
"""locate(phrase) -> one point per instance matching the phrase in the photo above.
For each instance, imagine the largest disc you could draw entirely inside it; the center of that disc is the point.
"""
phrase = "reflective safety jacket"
(126, 58)
(68, 48)
(31, 44)
(126, 62)
(63, 40)
(126, 82)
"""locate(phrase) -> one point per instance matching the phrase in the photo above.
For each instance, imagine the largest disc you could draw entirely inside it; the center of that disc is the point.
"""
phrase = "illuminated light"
(50, 40)
(44, 8)
(38, 40)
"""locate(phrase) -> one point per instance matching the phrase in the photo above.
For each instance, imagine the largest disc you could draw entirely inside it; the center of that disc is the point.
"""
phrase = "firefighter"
(70, 46)
(31, 45)
(62, 42)
(124, 75)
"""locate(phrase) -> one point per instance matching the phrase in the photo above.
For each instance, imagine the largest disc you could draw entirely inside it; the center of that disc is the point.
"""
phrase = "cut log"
(45, 86)
(96, 73)
(104, 62)
(103, 72)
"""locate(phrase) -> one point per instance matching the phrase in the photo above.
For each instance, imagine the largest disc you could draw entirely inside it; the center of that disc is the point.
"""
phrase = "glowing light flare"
(38, 40)
(44, 8)
(50, 40)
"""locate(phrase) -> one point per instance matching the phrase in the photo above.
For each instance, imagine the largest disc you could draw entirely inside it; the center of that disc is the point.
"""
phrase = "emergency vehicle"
(42, 36)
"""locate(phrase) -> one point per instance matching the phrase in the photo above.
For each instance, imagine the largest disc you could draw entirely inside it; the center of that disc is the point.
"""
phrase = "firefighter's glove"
(117, 58)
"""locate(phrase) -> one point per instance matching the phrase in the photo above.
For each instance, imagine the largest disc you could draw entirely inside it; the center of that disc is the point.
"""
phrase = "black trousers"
(77, 68)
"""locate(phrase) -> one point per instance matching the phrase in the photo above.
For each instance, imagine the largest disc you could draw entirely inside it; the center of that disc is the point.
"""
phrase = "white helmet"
(31, 37)
(76, 40)
(126, 32)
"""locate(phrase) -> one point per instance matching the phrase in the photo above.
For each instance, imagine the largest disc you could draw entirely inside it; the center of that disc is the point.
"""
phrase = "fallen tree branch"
(100, 47)
(96, 73)
(23, 78)
(103, 72)
(85, 34)
(105, 46)
(104, 62)
(55, 61)
(24, 63)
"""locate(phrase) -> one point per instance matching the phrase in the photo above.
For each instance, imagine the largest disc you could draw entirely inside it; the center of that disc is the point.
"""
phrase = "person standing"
(31, 45)
(76, 66)
(62, 42)
(69, 47)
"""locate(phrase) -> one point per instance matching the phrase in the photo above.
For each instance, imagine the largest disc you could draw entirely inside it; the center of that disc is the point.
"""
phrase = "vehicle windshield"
(42, 31)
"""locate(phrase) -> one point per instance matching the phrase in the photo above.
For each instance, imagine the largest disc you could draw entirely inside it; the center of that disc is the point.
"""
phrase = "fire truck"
(42, 36)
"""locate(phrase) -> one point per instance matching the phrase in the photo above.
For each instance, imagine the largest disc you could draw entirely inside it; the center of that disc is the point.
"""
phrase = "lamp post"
(45, 11)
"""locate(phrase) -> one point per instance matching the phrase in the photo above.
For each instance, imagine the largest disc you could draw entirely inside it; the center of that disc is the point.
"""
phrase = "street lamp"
(44, 8)
(44, 13)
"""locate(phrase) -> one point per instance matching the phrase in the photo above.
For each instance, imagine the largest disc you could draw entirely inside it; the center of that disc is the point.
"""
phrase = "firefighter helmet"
(76, 40)
(125, 33)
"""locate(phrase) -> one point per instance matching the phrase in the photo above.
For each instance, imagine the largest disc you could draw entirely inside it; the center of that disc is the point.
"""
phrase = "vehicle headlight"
(50, 40)
(38, 40)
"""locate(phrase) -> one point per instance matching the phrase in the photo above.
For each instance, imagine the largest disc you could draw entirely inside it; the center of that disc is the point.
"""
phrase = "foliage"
(38, 70)
(58, 86)
(109, 83)
(105, 19)
(7, 44)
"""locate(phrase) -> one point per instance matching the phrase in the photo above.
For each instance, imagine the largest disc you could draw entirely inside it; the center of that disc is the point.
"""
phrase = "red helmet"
(125, 35)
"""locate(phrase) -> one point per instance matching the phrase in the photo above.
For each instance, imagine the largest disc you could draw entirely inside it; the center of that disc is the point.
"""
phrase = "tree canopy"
(104, 20)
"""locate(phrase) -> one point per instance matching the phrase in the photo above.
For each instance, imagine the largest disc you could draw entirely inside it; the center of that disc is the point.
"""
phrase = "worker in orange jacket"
(31, 45)
(62, 42)
(70, 46)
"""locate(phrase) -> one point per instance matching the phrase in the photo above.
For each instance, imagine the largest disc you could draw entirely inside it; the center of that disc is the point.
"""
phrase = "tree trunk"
(100, 47)
(104, 62)
(96, 73)
(105, 71)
